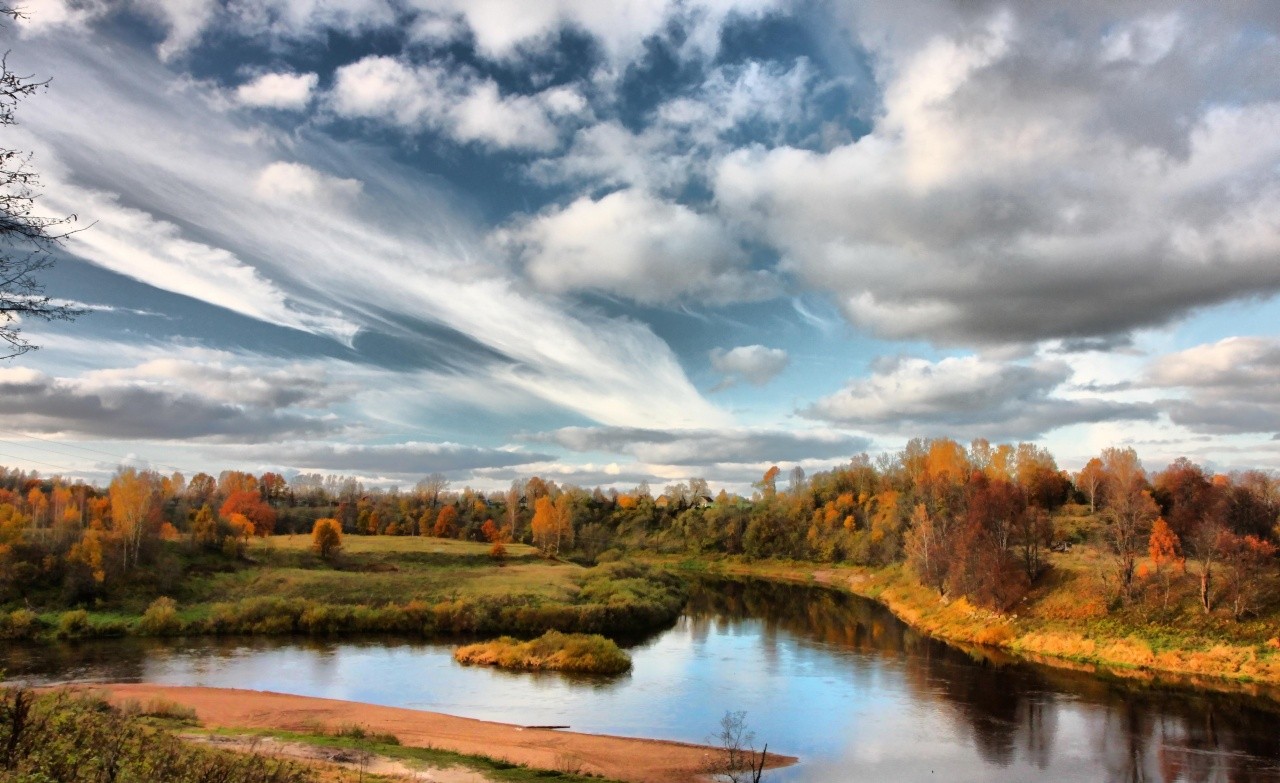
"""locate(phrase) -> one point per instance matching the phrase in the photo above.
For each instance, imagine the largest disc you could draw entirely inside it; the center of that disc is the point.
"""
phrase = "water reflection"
(832, 678)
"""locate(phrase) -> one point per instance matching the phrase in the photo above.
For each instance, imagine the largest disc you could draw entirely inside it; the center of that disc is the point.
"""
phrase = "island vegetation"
(553, 651)
(991, 544)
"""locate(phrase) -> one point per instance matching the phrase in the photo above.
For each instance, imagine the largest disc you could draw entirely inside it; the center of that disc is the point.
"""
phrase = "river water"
(828, 677)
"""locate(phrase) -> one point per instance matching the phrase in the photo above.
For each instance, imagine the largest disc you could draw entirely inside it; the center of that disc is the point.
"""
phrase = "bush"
(59, 737)
(161, 618)
(554, 651)
(73, 624)
(19, 624)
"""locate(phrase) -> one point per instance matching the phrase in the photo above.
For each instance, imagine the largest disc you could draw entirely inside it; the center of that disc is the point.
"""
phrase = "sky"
(647, 240)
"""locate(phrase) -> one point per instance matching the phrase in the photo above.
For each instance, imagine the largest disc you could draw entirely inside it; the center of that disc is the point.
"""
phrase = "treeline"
(976, 521)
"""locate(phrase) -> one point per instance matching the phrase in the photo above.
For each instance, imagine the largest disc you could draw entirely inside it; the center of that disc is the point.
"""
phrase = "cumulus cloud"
(686, 134)
(100, 408)
(1230, 385)
(707, 446)
(466, 107)
(638, 247)
(278, 90)
(1033, 175)
(966, 397)
(754, 364)
(295, 181)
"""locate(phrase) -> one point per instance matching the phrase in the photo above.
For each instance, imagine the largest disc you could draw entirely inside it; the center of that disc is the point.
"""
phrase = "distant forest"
(977, 522)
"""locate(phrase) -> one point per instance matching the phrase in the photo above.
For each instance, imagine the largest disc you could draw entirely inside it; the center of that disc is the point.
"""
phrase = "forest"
(978, 522)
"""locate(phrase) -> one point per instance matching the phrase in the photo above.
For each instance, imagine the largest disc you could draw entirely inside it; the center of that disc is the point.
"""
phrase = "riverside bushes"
(553, 651)
(75, 739)
(618, 599)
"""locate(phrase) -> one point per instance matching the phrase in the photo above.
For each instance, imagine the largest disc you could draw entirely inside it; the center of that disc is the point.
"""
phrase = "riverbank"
(1061, 623)
(616, 758)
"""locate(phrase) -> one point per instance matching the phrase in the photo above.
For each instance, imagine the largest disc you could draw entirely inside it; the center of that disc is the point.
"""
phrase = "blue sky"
(648, 239)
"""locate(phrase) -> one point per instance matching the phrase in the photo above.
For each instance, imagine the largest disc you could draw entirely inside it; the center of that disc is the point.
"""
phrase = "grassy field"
(420, 586)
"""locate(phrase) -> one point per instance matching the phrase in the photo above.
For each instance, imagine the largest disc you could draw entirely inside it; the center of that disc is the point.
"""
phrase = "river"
(829, 677)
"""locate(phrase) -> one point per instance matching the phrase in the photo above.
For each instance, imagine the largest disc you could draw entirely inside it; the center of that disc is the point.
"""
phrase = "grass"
(553, 651)
(494, 769)
(423, 587)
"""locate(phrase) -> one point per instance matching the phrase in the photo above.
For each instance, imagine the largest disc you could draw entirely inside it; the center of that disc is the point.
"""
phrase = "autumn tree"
(446, 524)
(1249, 563)
(546, 527)
(929, 548)
(250, 504)
(1128, 514)
(1208, 540)
(326, 538)
(27, 238)
(132, 502)
(1163, 546)
(431, 487)
(1090, 481)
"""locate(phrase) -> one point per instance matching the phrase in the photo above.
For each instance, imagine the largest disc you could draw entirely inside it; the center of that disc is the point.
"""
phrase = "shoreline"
(1226, 668)
(634, 760)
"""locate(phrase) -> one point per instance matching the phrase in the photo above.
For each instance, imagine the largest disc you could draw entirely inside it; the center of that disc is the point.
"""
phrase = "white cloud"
(1230, 385)
(706, 447)
(503, 29)
(966, 397)
(1016, 187)
(398, 255)
(185, 20)
(278, 90)
(754, 364)
(461, 105)
(633, 245)
(295, 181)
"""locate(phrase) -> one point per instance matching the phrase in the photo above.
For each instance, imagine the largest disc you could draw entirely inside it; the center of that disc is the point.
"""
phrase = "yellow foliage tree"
(326, 538)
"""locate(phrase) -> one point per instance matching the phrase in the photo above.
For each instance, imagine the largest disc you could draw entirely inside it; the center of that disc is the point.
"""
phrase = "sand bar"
(621, 758)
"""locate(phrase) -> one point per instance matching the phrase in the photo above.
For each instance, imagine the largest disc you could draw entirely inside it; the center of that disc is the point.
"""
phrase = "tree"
(26, 238)
(250, 504)
(1129, 511)
(1250, 566)
(131, 493)
(545, 527)
(1163, 548)
(1089, 481)
(326, 538)
(738, 760)
(446, 525)
(432, 486)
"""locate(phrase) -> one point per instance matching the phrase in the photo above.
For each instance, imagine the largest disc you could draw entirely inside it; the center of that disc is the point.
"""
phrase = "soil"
(619, 758)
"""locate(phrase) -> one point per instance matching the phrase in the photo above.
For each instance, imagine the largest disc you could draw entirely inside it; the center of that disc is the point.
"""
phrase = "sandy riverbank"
(620, 758)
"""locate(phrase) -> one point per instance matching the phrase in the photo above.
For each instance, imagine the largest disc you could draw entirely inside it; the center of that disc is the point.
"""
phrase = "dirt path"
(621, 758)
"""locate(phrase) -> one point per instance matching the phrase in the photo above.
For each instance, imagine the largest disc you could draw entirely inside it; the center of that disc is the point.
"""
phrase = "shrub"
(82, 740)
(19, 624)
(555, 651)
(161, 618)
(73, 624)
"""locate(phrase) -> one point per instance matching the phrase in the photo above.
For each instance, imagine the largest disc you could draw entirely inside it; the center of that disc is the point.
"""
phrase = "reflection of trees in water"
(1011, 709)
